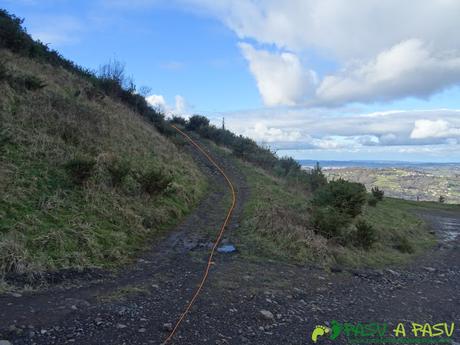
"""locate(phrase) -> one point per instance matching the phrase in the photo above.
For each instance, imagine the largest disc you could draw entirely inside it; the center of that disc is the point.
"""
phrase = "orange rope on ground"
(216, 243)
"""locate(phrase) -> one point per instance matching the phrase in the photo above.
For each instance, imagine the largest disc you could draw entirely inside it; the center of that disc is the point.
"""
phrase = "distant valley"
(407, 180)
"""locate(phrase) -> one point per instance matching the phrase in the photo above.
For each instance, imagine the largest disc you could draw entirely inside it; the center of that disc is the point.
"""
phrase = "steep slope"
(84, 180)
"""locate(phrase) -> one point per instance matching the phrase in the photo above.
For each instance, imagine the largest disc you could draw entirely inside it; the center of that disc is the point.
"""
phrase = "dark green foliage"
(3, 72)
(33, 83)
(347, 197)
(154, 181)
(365, 235)
(196, 122)
(372, 201)
(118, 170)
(329, 221)
(80, 169)
(287, 165)
(403, 244)
(178, 120)
(377, 193)
(317, 178)
(442, 199)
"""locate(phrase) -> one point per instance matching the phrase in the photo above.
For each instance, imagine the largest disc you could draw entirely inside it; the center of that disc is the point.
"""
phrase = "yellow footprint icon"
(319, 331)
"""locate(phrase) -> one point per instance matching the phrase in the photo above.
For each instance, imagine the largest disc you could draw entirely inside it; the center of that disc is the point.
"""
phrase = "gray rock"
(5, 342)
(15, 294)
(429, 269)
(141, 330)
(267, 315)
(121, 326)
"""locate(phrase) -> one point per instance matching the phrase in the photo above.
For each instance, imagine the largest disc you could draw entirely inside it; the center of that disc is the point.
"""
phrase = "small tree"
(365, 235)
(317, 178)
(442, 199)
(347, 197)
(178, 120)
(196, 122)
(377, 193)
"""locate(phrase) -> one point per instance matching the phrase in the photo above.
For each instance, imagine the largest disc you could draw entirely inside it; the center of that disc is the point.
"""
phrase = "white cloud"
(180, 107)
(384, 50)
(434, 129)
(262, 133)
(156, 101)
(281, 79)
(323, 129)
(407, 69)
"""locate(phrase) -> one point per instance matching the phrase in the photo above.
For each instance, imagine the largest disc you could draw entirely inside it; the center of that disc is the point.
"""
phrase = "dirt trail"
(244, 302)
(93, 304)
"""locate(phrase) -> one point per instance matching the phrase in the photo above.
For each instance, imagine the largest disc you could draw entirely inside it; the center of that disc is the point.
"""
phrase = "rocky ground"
(244, 302)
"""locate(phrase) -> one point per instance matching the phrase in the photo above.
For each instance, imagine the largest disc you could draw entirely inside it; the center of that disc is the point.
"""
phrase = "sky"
(313, 79)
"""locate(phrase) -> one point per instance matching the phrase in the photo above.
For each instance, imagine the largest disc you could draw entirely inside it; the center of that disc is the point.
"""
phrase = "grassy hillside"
(84, 180)
(277, 225)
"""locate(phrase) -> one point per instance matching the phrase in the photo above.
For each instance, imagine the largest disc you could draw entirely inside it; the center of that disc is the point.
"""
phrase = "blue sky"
(313, 79)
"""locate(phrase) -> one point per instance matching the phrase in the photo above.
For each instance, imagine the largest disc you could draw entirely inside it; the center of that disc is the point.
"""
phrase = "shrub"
(442, 199)
(403, 244)
(329, 221)
(377, 193)
(365, 235)
(33, 83)
(347, 197)
(372, 201)
(316, 178)
(286, 166)
(197, 121)
(80, 169)
(4, 75)
(154, 181)
(118, 170)
(178, 120)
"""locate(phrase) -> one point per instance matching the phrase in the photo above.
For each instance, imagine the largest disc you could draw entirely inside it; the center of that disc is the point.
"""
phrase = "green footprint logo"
(318, 332)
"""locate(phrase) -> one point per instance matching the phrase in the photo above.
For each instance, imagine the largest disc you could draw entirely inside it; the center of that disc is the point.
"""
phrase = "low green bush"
(196, 122)
(377, 193)
(403, 244)
(329, 221)
(154, 181)
(80, 169)
(347, 197)
(118, 169)
(365, 235)
(372, 201)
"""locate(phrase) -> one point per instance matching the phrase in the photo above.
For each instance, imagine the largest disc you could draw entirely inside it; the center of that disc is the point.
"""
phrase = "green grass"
(276, 226)
(397, 226)
(47, 221)
(275, 219)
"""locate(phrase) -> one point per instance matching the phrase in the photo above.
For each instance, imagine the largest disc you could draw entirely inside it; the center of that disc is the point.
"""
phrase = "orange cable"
(216, 243)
